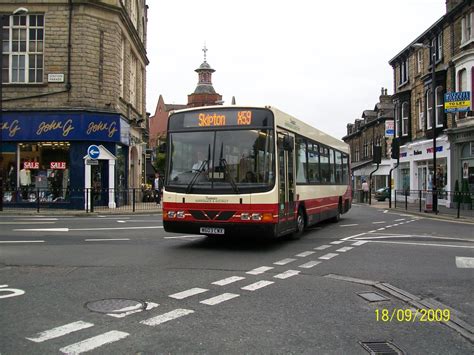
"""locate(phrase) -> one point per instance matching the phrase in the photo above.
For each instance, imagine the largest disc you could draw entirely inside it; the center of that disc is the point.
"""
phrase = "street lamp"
(432, 47)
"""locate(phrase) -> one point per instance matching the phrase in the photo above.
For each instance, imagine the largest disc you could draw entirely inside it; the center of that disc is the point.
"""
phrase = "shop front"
(43, 156)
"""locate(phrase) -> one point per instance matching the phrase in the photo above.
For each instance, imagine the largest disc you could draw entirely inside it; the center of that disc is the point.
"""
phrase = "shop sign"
(44, 126)
(417, 152)
(55, 78)
(31, 165)
(58, 165)
(457, 101)
(438, 149)
(389, 128)
(403, 155)
(92, 162)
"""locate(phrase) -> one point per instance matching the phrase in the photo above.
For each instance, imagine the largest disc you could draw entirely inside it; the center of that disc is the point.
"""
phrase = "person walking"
(157, 188)
(365, 191)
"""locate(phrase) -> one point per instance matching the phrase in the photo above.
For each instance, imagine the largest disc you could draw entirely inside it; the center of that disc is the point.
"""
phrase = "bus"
(239, 170)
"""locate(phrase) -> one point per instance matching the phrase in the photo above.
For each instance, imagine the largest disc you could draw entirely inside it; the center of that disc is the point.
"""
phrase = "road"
(121, 285)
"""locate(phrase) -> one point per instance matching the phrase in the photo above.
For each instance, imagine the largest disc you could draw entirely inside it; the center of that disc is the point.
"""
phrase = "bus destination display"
(218, 118)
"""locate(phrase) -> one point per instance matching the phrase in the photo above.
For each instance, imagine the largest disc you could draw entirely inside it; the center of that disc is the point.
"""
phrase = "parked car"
(382, 194)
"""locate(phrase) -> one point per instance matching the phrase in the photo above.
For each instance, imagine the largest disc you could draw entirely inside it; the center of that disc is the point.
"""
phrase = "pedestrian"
(157, 188)
(365, 191)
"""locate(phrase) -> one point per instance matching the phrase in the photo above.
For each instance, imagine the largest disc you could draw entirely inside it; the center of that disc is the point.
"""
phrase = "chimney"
(451, 4)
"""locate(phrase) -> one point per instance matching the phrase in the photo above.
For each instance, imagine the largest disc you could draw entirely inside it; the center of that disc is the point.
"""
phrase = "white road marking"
(60, 331)
(21, 223)
(354, 236)
(343, 250)
(284, 261)
(94, 342)
(106, 239)
(360, 242)
(322, 247)
(400, 219)
(166, 317)
(310, 264)
(84, 229)
(380, 222)
(186, 237)
(385, 211)
(337, 242)
(422, 244)
(257, 285)
(390, 235)
(43, 230)
(10, 292)
(328, 256)
(348, 225)
(259, 270)
(39, 219)
(130, 310)
(381, 229)
(120, 221)
(20, 241)
(228, 280)
(287, 274)
(219, 299)
(305, 254)
(463, 262)
(188, 293)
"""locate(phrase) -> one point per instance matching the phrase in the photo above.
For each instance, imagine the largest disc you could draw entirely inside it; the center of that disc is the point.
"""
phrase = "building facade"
(371, 130)
(449, 44)
(74, 76)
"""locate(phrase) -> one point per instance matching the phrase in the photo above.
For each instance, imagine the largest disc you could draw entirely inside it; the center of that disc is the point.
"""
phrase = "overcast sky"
(323, 62)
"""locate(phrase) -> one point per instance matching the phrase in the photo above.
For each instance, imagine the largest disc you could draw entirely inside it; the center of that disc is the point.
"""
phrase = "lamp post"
(2, 20)
(432, 47)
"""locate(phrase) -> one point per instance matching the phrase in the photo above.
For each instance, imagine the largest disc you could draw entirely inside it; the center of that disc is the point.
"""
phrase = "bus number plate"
(207, 230)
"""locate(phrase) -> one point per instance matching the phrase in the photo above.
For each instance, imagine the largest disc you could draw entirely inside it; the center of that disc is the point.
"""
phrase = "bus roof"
(289, 123)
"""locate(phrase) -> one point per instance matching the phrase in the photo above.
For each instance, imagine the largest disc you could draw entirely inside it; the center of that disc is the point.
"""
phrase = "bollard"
(395, 194)
(406, 200)
(87, 200)
(92, 200)
(133, 199)
(419, 199)
(459, 204)
(37, 200)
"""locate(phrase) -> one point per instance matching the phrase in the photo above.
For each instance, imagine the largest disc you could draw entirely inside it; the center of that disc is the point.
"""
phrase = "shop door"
(422, 177)
(99, 182)
(286, 186)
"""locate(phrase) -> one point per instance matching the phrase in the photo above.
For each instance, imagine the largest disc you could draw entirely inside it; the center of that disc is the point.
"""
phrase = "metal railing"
(88, 200)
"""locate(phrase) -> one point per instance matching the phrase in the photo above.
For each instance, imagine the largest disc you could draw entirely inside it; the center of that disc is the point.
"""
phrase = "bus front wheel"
(300, 224)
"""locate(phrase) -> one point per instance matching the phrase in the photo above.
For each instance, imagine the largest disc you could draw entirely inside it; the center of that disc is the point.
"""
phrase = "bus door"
(286, 183)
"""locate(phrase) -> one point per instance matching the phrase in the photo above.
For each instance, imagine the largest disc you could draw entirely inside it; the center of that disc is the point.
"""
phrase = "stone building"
(74, 75)
(449, 43)
(366, 133)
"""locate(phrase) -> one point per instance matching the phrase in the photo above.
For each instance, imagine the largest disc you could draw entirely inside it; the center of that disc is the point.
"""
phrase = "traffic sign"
(93, 152)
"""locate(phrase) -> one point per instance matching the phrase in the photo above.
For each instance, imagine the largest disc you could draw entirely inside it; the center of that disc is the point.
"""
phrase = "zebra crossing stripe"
(94, 342)
(219, 299)
(60, 331)
(166, 317)
(188, 293)
(286, 274)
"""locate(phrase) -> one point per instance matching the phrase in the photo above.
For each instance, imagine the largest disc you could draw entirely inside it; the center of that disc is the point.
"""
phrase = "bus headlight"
(256, 216)
(171, 214)
(245, 216)
(180, 214)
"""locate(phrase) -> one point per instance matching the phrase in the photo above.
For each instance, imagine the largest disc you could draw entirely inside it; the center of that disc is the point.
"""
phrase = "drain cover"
(381, 348)
(115, 305)
(373, 297)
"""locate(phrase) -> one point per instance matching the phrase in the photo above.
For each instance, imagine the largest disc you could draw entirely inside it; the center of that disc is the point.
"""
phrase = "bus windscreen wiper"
(196, 175)
(223, 163)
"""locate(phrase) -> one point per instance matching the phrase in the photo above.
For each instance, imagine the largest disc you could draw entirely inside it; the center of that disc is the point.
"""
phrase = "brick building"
(73, 76)
(452, 38)
(366, 133)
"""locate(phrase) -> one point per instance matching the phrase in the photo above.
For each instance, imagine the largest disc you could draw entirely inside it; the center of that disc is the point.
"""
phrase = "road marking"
(10, 292)
(328, 256)
(394, 235)
(257, 285)
(38, 222)
(284, 261)
(219, 299)
(39, 219)
(381, 229)
(287, 274)
(166, 317)
(354, 236)
(337, 242)
(84, 229)
(130, 310)
(343, 250)
(43, 230)
(385, 211)
(106, 239)
(120, 221)
(400, 219)
(60, 331)
(310, 264)
(360, 242)
(322, 247)
(464, 262)
(259, 270)
(228, 280)
(188, 293)
(186, 237)
(305, 254)
(422, 244)
(380, 222)
(20, 241)
(94, 342)
(348, 225)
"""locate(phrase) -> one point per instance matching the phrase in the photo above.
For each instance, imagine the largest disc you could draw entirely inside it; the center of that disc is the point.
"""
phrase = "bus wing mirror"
(288, 143)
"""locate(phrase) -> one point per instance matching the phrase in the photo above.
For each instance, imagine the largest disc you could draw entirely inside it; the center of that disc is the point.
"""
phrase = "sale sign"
(58, 165)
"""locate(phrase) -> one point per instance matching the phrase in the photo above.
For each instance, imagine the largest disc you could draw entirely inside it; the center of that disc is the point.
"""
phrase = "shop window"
(44, 169)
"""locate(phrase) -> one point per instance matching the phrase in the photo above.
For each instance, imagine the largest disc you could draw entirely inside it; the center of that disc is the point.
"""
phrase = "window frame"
(439, 113)
(405, 111)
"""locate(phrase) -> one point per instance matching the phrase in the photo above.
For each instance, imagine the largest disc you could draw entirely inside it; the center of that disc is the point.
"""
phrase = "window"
(133, 80)
(356, 155)
(403, 72)
(345, 169)
(420, 114)
(437, 43)
(439, 106)
(366, 149)
(324, 164)
(405, 113)
(338, 167)
(397, 119)
(332, 166)
(462, 86)
(23, 42)
(466, 28)
(429, 109)
(419, 61)
(301, 161)
(314, 174)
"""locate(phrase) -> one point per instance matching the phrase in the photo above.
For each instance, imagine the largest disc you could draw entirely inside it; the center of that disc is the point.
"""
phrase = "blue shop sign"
(47, 126)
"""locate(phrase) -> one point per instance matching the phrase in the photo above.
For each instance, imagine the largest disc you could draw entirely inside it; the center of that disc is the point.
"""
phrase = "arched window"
(405, 113)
